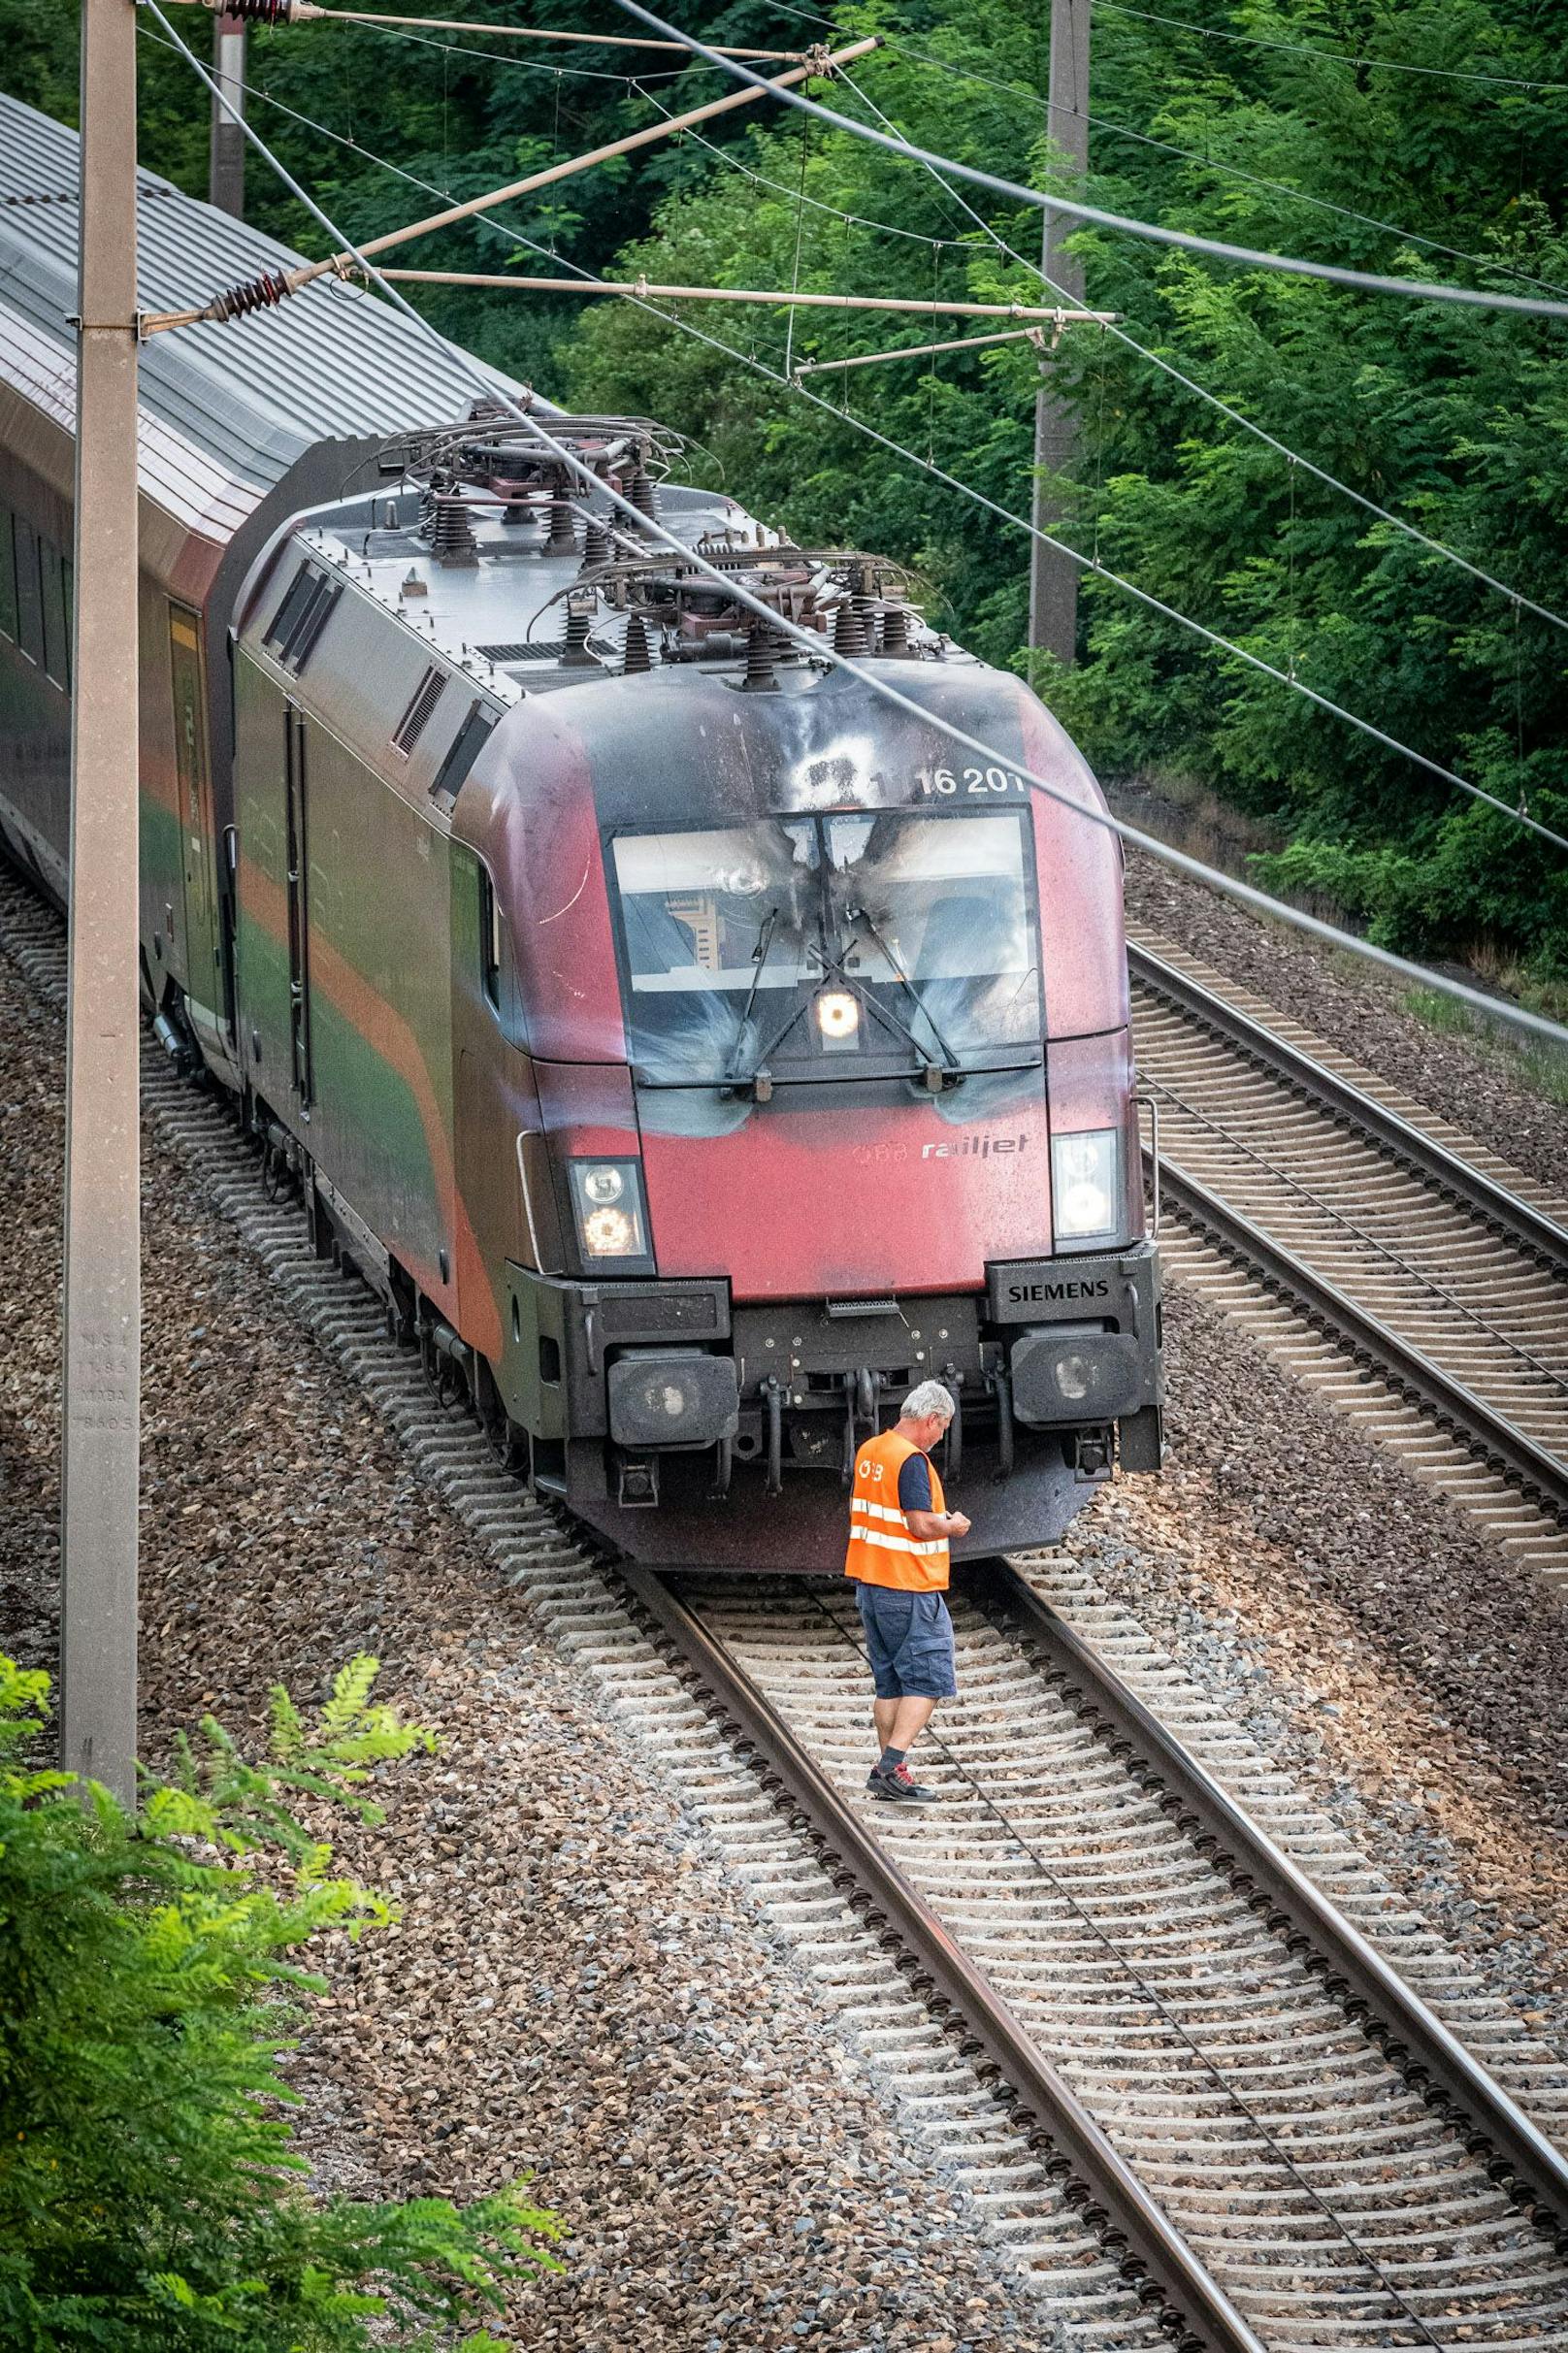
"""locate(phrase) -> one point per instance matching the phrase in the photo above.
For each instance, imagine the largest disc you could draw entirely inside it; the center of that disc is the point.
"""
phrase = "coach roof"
(226, 411)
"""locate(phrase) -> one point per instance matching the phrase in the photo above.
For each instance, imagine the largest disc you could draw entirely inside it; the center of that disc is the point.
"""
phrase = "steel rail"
(1422, 1155)
(1434, 2064)
(1486, 1432)
(1150, 2254)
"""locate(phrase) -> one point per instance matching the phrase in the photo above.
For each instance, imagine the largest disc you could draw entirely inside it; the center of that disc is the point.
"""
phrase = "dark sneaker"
(898, 1787)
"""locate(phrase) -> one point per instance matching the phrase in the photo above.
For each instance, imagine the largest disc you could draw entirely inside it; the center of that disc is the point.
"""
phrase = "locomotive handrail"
(1151, 1152)
(523, 1135)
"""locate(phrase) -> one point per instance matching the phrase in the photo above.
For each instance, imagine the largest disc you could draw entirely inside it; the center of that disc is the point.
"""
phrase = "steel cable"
(1410, 289)
(811, 643)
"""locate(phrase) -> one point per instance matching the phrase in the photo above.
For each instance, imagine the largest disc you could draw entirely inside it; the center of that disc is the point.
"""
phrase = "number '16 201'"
(940, 783)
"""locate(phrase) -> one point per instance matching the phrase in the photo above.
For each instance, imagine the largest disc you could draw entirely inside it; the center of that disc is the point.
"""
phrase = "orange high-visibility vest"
(882, 1552)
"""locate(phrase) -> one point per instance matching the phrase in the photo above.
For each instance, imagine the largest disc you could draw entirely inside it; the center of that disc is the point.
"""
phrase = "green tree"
(150, 2189)
(1457, 421)
(1454, 419)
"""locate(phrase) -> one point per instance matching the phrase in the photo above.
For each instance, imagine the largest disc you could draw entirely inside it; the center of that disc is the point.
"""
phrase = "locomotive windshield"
(876, 944)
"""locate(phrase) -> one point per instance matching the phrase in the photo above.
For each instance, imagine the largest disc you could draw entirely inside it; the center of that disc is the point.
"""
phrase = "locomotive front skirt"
(695, 1050)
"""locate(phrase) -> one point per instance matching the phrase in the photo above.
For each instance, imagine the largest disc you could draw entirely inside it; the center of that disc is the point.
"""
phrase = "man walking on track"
(899, 1532)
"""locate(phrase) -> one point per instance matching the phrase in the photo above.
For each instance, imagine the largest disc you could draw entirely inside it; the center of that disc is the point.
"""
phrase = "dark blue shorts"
(909, 1637)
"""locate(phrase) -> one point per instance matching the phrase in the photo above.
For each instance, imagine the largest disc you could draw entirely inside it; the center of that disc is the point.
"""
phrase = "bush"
(149, 2190)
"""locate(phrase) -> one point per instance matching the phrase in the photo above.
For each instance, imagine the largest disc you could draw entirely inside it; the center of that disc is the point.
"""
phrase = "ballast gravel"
(1465, 1077)
(575, 1985)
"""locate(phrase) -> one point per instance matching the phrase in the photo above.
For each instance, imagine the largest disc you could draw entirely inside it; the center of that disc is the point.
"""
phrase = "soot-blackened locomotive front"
(828, 1039)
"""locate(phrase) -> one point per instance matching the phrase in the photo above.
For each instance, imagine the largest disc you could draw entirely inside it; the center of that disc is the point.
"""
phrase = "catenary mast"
(1053, 621)
(102, 1370)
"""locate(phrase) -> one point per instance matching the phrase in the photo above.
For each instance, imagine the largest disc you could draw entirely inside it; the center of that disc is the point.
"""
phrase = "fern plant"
(151, 1972)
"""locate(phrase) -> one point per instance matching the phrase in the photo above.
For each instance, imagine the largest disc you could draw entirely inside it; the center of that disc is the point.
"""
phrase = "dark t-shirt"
(914, 1484)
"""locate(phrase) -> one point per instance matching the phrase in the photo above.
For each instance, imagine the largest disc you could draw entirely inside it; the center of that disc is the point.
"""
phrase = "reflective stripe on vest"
(882, 1551)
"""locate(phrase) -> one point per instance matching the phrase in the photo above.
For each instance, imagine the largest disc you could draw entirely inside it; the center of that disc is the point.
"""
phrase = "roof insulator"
(261, 293)
(257, 11)
(759, 678)
(852, 634)
(452, 532)
(575, 653)
(638, 657)
(643, 493)
(562, 539)
(596, 547)
(895, 631)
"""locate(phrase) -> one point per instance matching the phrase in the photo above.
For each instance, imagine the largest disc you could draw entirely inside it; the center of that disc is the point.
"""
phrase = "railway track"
(1335, 2167)
(1185, 2115)
(1401, 1269)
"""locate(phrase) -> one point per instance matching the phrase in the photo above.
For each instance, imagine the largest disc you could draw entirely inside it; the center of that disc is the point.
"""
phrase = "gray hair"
(928, 1397)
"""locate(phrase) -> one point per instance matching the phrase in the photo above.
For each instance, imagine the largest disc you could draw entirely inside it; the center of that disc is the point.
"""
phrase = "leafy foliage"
(148, 1973)
(1456, 420)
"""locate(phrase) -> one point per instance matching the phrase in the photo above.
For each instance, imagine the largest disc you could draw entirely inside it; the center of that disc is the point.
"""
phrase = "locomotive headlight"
(1086, 1180)
(839, 1018)
(606, 1197)
(609, 1234)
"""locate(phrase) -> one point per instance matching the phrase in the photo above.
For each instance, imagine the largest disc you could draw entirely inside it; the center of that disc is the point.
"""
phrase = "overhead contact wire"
(1300, 48)
(1022, 95)
(810, 642)
(1410, 289)
(1236, 416)
(1168, 368)
(1093, 564)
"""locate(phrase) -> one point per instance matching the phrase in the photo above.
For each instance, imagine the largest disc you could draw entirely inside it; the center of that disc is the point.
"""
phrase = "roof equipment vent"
(466, 745)
(523, 649)
(302, 616)
(411, 726)
(292, 604)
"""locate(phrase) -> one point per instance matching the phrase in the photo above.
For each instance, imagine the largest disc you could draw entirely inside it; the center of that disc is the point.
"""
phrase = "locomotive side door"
(494, 1103)
(296, 871)
(198, 849)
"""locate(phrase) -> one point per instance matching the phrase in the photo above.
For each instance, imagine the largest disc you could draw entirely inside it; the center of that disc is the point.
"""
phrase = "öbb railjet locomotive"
(695, 1050)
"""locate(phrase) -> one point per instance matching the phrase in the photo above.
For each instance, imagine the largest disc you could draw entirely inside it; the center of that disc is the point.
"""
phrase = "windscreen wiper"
(950, 1066)
(764, 949)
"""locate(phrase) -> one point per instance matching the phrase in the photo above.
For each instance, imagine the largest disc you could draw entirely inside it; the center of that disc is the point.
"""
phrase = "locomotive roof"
(226, 411)
(503, 617)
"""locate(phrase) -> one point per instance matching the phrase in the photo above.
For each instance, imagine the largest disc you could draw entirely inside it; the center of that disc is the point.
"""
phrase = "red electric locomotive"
(696, 1049)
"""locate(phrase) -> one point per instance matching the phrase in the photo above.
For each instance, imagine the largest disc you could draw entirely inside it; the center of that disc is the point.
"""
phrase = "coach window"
(55, 660)
(29, 594)
(8, 578)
